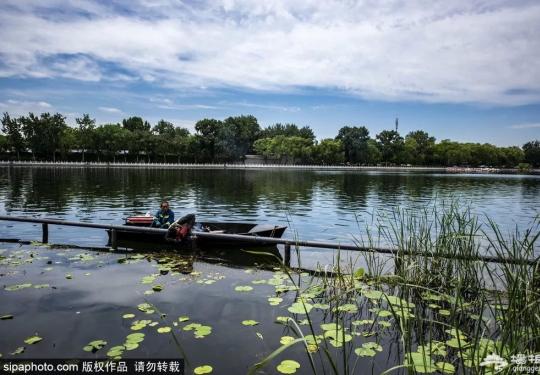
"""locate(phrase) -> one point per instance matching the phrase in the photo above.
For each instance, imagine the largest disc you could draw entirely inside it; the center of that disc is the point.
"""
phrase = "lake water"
(315, 205)
(77, 295)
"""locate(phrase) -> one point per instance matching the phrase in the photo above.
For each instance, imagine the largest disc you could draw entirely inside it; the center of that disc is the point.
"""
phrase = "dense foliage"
(48, 137)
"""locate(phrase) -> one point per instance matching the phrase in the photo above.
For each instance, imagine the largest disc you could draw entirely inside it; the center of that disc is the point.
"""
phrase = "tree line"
(48, 137)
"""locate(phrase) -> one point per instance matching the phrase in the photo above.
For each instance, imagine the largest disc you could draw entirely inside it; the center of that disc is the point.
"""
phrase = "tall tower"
(397, 123)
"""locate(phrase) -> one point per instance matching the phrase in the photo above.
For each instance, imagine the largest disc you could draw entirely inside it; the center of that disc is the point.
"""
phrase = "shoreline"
(449, 170)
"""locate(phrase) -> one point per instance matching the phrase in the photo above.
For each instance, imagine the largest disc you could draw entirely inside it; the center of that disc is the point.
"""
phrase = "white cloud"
(110, 110)
(459, 51)
(525, 126)
(23, 107)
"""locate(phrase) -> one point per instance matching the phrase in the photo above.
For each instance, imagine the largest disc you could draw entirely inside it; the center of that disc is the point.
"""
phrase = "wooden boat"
(245, 229)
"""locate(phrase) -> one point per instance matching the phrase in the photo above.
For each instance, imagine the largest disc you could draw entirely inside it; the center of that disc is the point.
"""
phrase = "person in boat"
(181, 229)
(164, 217)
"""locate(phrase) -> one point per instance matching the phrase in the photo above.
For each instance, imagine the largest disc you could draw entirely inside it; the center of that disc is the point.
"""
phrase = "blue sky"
(464, 70)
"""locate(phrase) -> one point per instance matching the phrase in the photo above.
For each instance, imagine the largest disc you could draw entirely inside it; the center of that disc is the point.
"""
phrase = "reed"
(443, 313)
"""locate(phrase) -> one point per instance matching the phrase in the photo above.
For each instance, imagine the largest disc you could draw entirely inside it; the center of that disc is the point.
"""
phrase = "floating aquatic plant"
(94, 346)
(243, 288)
(205, 369)
(288, 366)
(33, 340)
(250, 322)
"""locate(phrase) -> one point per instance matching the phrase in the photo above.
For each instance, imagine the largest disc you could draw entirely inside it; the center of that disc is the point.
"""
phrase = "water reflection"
(316, 204)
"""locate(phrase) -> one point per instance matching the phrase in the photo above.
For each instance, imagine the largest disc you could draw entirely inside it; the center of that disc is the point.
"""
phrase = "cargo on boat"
(245, 229)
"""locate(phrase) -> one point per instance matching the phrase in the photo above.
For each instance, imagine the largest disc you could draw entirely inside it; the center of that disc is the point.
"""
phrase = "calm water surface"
(70, 312)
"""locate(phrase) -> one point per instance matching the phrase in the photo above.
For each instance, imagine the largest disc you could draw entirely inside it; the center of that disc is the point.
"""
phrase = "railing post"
(45, 236)
(114, 242)
(287, 260)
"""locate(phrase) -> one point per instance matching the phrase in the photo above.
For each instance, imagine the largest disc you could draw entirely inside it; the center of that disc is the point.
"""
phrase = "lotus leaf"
(445, 367)
(33, 340)
(286, 340)
(206, 369)
(274, 301)
(372, 294)
(288, 366)
(300, 308)
(243, 288)
(12, 288)
(321, 306)
(348, 307)
(19, 350)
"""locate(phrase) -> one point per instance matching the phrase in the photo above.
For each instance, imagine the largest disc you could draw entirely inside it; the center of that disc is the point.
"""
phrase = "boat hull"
(247, 229)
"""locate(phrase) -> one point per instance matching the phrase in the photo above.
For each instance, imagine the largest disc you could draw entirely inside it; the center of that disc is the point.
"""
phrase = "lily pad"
(116, 351)
(19, 350)
(288, 366)
(274, 301)
(365, 352)
(13, 288)
(348, 307)
(282, 319)
(183, 319)
(300, 308)
(250, 322)
(286, 340)
(69, 276)
(372, 294)
(135, 337)
(6, 317)
(206, 369)
(94, 346)
(445, 367)
(321, 306)
(157, 288)
(128, 316)
(243, 288)
(33, 340)
(131, 345)
(191, 327)
(202, 331)
(41, 286)
(164, 329)
(146, 308)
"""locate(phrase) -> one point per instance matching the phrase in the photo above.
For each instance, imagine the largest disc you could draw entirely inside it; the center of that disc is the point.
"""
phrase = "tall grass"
(444, 310)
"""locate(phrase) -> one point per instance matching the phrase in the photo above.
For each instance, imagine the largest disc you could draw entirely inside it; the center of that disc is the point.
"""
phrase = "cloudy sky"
(468, 70)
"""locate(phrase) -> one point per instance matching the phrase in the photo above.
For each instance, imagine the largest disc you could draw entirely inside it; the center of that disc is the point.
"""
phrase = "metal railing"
(257, 240)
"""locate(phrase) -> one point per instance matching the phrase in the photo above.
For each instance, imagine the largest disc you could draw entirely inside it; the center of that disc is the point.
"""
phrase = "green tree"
(355, 143)
(207, 130)
(239, 133)
(419, 148)
(4, 145)
(391, 145)
(328, 151)
(287, 130)
(285, 149)
(68, 141)
(532, 152)
(511, 156)
(86, 132)
(43, 133)
(228, 146)
(12, 128)
(164, 128)
(136, 123)
(111, 139)
(373, 153)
